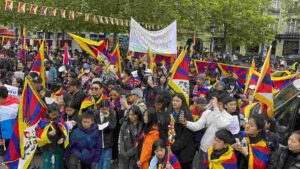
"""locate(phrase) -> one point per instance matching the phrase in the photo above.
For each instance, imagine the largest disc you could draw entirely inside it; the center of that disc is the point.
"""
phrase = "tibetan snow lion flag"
(93, 48)
(23, 141)
(38, 65)
(116, 60)
(202, 66)
(240, 72)
(264, 87)
(179, 80)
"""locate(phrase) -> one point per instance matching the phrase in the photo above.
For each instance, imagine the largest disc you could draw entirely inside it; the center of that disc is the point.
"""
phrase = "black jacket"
(107, 133)
(183, 147)
(78, 98)
(163, 118)
(279, 159)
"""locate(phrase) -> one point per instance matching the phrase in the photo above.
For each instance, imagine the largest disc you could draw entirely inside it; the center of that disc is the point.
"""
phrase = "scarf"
(89, 101)
(259, 154)
(226, 160)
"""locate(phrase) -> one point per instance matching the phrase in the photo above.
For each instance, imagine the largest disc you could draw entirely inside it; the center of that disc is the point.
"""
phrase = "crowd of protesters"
(137, 121)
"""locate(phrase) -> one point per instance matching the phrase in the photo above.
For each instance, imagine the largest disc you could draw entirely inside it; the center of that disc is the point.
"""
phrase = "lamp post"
(212, 31)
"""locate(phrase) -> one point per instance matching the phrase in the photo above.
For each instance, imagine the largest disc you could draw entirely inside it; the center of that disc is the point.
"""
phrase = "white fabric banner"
(162, 41)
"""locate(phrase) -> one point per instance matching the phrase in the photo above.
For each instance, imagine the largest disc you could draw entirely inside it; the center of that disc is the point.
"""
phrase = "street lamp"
(212, 31)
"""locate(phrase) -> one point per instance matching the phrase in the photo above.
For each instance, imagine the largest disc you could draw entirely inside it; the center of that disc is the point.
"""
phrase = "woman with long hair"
(151, 134)
(161, 106)
(183, 143)
(130, 130)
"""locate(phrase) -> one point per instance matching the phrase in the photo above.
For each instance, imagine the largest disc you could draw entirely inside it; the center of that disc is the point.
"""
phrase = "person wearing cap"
(220, 154)
(213, 119)
(136, 96)
(87, 76)
(146, 76)
(219, 89)
(200, 90)
(77, 93)
(198, 108)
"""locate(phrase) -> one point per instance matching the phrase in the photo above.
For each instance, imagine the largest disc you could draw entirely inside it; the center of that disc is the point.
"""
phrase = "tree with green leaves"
(241, 22)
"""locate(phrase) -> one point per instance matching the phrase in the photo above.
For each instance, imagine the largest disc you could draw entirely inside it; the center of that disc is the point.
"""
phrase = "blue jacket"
(86, 144)
(52, 75)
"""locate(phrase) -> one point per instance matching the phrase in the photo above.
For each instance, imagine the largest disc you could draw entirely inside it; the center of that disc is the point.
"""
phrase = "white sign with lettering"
(12, 90)
(162, 41)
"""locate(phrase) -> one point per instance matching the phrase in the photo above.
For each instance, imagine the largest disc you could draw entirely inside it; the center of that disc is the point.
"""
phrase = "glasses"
(95, 88)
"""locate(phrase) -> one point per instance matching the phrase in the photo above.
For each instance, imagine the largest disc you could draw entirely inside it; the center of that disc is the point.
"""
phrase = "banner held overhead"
(162, 41)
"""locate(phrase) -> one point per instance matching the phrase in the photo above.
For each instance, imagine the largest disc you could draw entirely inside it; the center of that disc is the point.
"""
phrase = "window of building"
(276, 4)
(292, 26)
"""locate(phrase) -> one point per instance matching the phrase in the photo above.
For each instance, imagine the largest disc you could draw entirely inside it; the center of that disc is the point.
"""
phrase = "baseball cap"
(137, 91)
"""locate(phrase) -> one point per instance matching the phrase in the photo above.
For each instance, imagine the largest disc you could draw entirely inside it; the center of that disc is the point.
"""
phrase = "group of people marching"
(137, 121)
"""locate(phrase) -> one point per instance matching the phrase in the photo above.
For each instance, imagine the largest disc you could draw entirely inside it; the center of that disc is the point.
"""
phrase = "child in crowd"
(51, 133)
(106, 115)
(71, 116)
(163, 158)
(85, 144)
(221, 154)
